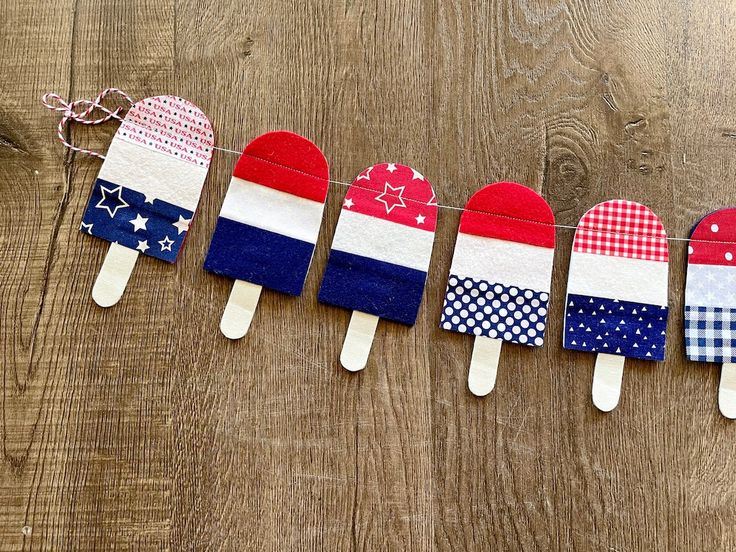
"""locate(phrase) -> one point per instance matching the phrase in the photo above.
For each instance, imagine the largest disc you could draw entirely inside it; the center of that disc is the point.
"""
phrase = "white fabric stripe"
(503, 262)
(710, 286)
(635, 280)
(272, 210)
(383, 240)
(153, 174)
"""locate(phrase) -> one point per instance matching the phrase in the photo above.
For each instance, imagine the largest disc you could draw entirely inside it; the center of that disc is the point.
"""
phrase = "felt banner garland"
(710, 300)
(146, 194)
(500, 277)
(380, 253)
(269, 223)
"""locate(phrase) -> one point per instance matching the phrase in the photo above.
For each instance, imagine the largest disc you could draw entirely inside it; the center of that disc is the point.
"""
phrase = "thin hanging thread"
(56, 103)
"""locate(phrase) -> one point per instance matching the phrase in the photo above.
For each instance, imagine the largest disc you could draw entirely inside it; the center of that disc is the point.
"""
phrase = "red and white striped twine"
(70, 113)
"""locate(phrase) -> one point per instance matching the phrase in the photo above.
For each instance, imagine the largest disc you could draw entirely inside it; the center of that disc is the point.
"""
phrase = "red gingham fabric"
(622, 228)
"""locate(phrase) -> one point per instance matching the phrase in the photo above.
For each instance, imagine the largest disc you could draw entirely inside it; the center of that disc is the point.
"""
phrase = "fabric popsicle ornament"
(269, 222)
(500, 276)
(616, 302)
(380, 254)
(710, 300)
(148, 187)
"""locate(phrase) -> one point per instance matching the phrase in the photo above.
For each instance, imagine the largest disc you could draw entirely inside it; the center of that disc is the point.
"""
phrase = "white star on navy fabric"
(348, 203)
(139, 223)
(142, 246)
(149, 198)
(87, 227)
(391, 197)
(182, 225)
(166, 243)
(118, 201)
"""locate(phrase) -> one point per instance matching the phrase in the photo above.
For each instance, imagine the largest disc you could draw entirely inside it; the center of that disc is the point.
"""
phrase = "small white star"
(348, 203)
(149, 198)
(416, 175)
(366, 174)
(420, 219)
(391, 167)
(166, 244)
(87, 227)
(142, 246)
(391, 197)
(139, 223)
(120, 202)
(182, 225)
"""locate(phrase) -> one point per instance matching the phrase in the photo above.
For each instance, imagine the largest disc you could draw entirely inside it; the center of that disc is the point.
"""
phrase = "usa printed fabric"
(710, 291)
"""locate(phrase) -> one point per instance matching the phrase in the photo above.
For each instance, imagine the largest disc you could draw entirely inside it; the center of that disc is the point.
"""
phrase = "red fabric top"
(396, 193)
(706, 246)
(512, 212)
(622, 228)
(286, 162)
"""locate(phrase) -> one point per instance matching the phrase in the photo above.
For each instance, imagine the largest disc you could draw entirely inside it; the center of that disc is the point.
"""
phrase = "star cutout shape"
(391, 167)
(139, 223)
(87, 227)
(433, 200)
(182, 225)
(348, 203)
(149, 198)
(420, 219)
(416, 175)
(142, 246)
(391, 197)
(110, 195)
(166, 243)
(366, 175)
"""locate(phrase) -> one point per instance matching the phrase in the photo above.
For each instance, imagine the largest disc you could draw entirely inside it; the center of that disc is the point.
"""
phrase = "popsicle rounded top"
(150, 182)
(272, 213)
(713, 239)
(622, 228)
(383, 244)
(509, 211)
(287, 162)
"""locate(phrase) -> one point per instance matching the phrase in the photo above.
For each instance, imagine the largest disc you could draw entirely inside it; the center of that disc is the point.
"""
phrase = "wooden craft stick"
(727, 391)
(607, 376)
(114, 275)
(484, 365)
(240, 308)
(358, 341)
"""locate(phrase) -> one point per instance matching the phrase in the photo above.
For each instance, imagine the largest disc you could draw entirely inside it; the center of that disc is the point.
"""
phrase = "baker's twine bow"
(71, 112)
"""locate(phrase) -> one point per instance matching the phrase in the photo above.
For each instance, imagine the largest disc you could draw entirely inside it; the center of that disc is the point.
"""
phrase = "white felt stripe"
(625, 279)
(503, 262)
(710, 286)
(153, 174)
(383, 240)
(272, 210)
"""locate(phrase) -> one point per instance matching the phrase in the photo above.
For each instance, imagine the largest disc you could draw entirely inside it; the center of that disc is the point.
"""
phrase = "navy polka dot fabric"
(478, 307)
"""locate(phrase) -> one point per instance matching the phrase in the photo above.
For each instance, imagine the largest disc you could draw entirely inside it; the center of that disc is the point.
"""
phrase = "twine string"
(70, 113)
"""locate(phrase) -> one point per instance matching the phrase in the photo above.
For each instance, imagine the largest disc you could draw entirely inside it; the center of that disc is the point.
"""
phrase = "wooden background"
(142, 428)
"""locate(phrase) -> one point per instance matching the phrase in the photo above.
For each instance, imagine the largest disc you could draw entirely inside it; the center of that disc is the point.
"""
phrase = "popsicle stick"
(484, 365)
(114, 275)
(727, 391)
(607, 376)
(240, 308)
(358, 341)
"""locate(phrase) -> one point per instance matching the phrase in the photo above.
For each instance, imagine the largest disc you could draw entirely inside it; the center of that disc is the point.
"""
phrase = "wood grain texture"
(142, 428)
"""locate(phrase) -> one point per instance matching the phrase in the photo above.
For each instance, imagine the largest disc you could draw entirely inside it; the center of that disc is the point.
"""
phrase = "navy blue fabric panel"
(617, 327)
(710, 334)
(159, 228)
(383, 289)
(271, 260)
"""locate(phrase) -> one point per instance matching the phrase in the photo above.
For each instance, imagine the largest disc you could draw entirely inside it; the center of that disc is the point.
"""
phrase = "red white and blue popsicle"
(148, 188)
(380, 253)
(499, 282)
(710, 300)
(616, 302)
(269, 223)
